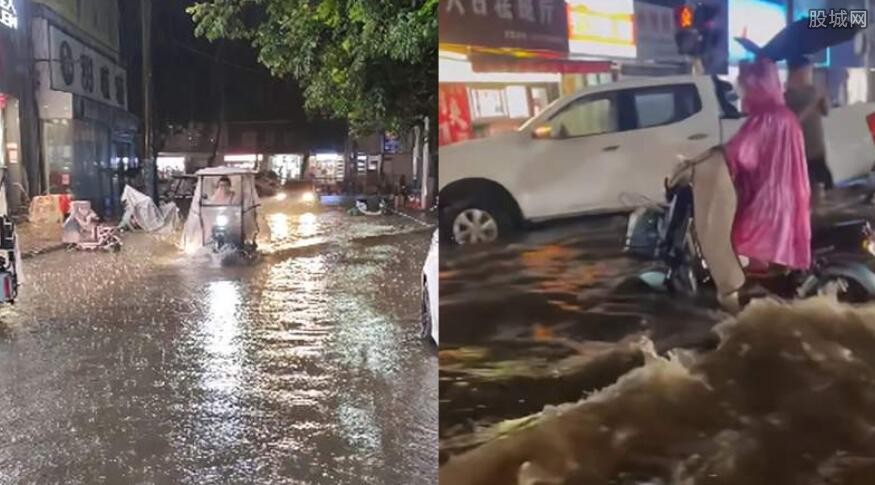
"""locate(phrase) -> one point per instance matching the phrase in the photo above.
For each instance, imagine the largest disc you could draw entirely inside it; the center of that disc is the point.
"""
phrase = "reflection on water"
(222, 342)
(151, 367)
(279, 226)
(307, 226)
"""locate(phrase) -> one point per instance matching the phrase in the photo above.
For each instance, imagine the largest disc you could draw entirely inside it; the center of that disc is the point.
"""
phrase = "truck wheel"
(475, 221)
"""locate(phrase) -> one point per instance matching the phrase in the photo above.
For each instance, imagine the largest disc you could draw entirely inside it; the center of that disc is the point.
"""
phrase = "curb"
(48, 249)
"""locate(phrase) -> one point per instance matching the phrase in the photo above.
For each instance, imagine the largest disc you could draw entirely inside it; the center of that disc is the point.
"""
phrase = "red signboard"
(454, 115)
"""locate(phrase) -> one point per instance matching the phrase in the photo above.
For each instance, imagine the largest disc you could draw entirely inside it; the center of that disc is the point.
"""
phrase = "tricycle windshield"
(224, 198)
(221, 190)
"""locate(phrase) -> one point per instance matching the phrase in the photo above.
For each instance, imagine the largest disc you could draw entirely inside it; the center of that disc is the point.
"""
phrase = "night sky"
(187, 80)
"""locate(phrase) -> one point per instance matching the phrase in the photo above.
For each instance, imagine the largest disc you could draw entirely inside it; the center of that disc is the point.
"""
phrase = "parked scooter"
(691, 242)
(82, 230)
(361, 208)
(10, 261)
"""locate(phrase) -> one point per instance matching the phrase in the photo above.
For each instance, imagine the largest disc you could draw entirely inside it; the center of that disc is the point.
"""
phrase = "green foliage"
(371, 62)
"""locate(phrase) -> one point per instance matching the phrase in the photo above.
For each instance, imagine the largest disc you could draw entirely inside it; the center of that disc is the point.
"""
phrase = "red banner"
(454, 115)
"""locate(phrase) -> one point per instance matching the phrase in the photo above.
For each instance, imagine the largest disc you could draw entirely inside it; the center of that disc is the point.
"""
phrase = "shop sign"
(601, 28)
(515, 24)
(78, 69)
(454, 115)
(391, 143)
(8, 14)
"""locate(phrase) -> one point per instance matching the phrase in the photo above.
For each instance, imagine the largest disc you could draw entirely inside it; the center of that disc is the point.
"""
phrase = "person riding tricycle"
(224, 212)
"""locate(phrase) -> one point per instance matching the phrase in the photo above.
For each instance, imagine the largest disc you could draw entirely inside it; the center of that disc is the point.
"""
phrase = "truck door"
(670, 120)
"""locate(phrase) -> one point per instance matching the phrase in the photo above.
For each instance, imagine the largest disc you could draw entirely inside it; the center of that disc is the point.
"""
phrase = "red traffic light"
(684, 16)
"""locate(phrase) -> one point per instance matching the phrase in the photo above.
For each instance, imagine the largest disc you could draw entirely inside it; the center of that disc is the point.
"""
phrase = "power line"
(211, 57)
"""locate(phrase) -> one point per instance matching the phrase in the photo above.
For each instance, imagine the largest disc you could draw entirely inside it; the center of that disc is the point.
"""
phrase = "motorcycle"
(690, 239)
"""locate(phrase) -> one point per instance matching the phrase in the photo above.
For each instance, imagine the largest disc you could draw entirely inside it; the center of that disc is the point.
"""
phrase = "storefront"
(476, 104)
(11, 86)
(87, 132)
(491, 64)
(287, 166)
(499, 67)
(326, 169)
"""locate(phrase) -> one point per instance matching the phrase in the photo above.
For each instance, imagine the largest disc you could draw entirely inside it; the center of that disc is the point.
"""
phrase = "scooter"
(9, 261)
(361, 207)
(841, 254)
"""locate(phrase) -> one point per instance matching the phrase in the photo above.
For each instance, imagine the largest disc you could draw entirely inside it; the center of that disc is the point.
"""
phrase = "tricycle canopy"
(213, 204)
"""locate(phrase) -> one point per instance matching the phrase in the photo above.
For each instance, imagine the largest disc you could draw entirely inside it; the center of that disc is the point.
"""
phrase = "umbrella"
(798, 40)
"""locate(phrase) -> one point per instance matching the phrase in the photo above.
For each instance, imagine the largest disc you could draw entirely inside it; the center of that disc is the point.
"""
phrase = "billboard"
(757, 20)
(520, 24)
(79, 69)
(601, 28)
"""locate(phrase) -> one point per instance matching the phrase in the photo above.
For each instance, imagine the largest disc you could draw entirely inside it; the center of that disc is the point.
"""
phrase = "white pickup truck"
(608, 149)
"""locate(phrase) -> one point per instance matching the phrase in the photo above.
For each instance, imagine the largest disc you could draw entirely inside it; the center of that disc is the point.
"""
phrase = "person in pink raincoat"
(767, 162)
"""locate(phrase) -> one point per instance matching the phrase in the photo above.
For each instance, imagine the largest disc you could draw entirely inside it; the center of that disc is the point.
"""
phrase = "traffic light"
(684, 17)
(697, 30)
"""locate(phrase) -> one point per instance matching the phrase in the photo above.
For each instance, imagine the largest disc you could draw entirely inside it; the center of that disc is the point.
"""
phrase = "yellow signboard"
(601, 28)
(98, 18)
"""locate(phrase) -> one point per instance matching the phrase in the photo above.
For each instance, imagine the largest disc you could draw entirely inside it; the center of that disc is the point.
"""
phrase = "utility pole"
(426, 161)
(867, 46)
(150, 159)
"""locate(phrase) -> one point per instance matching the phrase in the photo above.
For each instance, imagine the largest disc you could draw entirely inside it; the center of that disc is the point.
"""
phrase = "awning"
(490, 63)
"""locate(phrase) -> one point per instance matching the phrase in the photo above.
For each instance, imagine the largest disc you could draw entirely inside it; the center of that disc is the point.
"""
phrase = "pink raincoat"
(767, 162)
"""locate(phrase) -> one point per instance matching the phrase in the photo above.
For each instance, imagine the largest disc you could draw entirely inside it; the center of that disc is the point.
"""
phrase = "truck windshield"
(534, 119)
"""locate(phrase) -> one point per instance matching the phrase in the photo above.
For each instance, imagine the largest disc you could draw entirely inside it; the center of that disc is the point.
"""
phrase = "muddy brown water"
(545, 321)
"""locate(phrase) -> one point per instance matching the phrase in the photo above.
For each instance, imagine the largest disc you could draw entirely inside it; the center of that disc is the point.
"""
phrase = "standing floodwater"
(147, 367)
(533, 326)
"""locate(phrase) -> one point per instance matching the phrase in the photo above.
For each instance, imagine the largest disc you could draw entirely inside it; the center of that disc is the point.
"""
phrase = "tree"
(370, 62)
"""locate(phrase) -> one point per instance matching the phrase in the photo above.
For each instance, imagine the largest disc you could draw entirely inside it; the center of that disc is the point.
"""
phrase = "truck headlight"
(308, 197)
(281, 196)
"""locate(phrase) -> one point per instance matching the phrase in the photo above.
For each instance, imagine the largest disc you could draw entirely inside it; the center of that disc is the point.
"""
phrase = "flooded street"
(549, 318)
(147, 367)
(544, 319)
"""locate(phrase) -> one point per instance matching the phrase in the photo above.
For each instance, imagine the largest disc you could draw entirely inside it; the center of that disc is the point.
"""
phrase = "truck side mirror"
(544, 132)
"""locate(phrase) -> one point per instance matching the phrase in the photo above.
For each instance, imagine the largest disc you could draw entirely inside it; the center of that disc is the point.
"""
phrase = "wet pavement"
(148, 367)
(553, 315)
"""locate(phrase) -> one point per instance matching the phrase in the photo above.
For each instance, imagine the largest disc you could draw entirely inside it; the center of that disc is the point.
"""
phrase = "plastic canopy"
(141, 212)
(240, 214)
